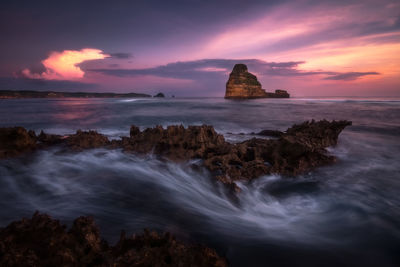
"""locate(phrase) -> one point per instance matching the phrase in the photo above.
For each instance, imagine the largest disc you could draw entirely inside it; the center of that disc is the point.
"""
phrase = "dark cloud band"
(218, 68)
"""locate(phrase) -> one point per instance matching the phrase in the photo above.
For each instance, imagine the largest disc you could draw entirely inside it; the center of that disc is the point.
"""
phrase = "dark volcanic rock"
(85, 140)
(176, 142)
(273, 133)
(15, 141)
(42, 241)
(316, 135)
(300, 149)
(153, 249)
(49, 139)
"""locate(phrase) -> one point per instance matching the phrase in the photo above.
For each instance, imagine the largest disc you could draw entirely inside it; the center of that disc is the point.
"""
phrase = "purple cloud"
(212, 69)
(350, 76)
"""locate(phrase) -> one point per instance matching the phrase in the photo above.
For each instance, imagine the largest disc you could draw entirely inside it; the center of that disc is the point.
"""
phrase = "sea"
(345, 214)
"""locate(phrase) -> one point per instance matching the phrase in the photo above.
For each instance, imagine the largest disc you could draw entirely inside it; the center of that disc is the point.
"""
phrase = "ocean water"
(346, 214)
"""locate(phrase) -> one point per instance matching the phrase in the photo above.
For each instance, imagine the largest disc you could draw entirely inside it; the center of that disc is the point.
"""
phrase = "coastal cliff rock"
(242, 84)
(43, 241)
(300, 149)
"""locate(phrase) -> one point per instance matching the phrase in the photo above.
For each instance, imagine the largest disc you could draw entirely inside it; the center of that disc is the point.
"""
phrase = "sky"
(188, 47)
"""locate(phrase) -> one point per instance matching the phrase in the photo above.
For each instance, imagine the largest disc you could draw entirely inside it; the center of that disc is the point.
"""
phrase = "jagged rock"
(242, 84)
(153, 249)
(300, 149)
(43, 241)
(86, 139)
(49, 139)
(175, 142)
(272, 133)
(15, 141)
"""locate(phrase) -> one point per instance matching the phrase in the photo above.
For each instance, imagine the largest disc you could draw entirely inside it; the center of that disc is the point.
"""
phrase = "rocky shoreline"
(43, 241)
(298, 150)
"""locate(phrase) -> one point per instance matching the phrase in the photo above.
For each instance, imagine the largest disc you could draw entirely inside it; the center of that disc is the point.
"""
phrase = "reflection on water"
(75, 109)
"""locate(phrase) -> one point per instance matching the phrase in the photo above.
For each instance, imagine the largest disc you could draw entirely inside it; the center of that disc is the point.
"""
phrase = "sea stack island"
(244, 85)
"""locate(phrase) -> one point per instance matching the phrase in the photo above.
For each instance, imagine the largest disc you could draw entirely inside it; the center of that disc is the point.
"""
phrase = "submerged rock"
(43, 241)
(243, 84)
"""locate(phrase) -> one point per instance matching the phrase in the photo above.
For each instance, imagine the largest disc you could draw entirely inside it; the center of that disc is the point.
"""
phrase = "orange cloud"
(63, 65)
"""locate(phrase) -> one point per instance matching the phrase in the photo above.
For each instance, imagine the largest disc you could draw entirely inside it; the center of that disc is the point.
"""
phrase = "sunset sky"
(188, 48)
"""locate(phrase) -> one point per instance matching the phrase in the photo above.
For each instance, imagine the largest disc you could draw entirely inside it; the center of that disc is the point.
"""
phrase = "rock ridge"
(300, 149)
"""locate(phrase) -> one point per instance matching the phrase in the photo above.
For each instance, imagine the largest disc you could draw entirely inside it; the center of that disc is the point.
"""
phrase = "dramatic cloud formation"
(64, 65)
(220, 68)
(310, 47)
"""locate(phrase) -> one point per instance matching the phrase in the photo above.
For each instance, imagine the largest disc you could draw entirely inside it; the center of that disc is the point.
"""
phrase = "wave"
(137, 192)
(135, 100)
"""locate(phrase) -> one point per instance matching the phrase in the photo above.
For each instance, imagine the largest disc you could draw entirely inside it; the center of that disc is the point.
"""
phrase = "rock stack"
(242, 84)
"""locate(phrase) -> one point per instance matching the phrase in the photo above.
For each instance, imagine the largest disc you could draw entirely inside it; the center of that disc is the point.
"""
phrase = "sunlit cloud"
(355, 39)
(64, 65)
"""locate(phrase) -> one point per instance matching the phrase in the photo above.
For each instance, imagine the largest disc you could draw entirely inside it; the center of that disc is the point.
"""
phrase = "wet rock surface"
(86, 139)
(300, 149)
(15, 141)
(43, 241)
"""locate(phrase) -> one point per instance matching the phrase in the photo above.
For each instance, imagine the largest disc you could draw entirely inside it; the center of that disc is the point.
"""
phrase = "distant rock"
(242, 85)
(278, 94)
(159, 95)
(4, 94)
